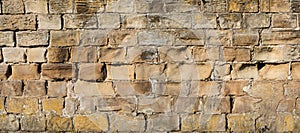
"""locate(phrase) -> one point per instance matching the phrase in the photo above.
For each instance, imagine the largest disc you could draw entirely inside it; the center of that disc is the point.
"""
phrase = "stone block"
(175, 54)
(12, 6)
(72, 21)
(205, 53)
(235, 87)
(163, 123)
(292, 89)
(218, 37)
(186, 105)
(51, 22)
(22, 105)
(127, 123)
(57, 71)
(204, 21)
(11, 88)
(87, 7)
(94, 37)
(93, 123)
(139, 21)
(64, 38)
(36, 55)
(154, 105)
(58, 123)
(275, 71)
(57, 89)
(25, 72)
(243, 6)
(83, 54)
(36, 6)
(94, 89)
(32, 38)
(230, 20)
(113, 55)
(244, 71)
(7, 38)
(109, 20)
(184, 72)
(9, 122)
(245, 38)
(284, 21)
(286, 105)
(120, 72)
(236, 54)
(241, 122)
(62, 6)
(257, 20)
(269, 54)
(125, 105)
(155, 37)
(92, 72)
(216, 105)
(13, 54)
(57, 54)
(123, 6)
(53, 105)
(275, 6)
(33, 123)
(4, 73)
(244, 104)
(171, 21)
(280, 37)
(35, 88)
(119, 38)
(18, 22)
(148, 71)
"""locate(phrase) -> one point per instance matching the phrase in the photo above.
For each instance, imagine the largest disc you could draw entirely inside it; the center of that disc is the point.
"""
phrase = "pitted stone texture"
(52, 22)
(64, 38)
(36, 6)
(93, 123)
(22, 105)
(9, 122)
(11, 88)
(18, 22)
(13, 6)
(58, 123)
(32, 38)
(57, 71)
(25, 72)
(35, 88)
(57, 54)
(6, 38)
(62, 6)
(33, 123)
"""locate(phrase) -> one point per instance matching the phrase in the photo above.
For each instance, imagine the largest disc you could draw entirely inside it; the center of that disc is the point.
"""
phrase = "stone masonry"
(150, 65)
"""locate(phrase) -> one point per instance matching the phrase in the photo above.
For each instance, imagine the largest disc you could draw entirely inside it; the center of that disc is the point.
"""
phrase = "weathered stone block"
(36, 55)
(109, 20)
(230, 20)
(32, 38)
(286, 105)
(94, 37)
(257, 20)
(134, 21)
(204, 89)
(155, 37)
(204, 21)
(58, 123)
(11, 88)
(292, 89)
(175, 54)
(221, 70)
(190, 122)
(244, 71)
(284, 21)
(218, 37)
(64, 38)
(53, 105)
(275, 6)
(235, 87)
(83, 54)
(57, 71)
(34, 88)
(94, 122)
(25, 71)
(216, 105)
(22, 105)
(52, 22)
(151, 105)
(148, 71)
(122, 105)
(245, 38)
(120, 72)
(241, 122)
(243, 5)
(14, 54)
(18, 22)
(7, 38)
(171, 21)
(87, 105)
(205, 53)
(4, 71)
(189, 37)
(57, 54)
(128, 88)
(236, 54)
(280, 37)
(33, 123)
(9, 122)
(57, 89)
(92, 71)
(126, 123)
(62, 6)
(72, 21)
(186, 105)
(86, 6)
(163, 123)
(94, 89)
(112, 55)
(275, 71)
(183, 72)
(36, 6)
(123, 6)
(270, 54)
(244, 104)
(12, 6)
(121, 38)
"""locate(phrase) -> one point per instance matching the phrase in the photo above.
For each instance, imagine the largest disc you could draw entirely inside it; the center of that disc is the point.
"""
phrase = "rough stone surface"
(18, 22)
(25, 71)
(57, 71)
(14, 54)
(34, 88)
(32, 38)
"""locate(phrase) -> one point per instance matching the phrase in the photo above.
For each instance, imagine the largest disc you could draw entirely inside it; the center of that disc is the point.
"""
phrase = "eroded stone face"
(149, 66)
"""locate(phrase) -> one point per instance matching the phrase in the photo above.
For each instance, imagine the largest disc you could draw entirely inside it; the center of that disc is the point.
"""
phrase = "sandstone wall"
(150, 65)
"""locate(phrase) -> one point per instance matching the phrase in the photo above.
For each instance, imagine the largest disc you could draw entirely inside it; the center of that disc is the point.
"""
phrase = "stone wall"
(150, 65)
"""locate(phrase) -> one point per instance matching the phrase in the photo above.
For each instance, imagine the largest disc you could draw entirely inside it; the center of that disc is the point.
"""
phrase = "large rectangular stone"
(86, 21)
(275, 6)
(274, 72)
(64, 38)
(270, 54)
(22, 105)
(35, 88)
(295, 6)
(12, 6)
(33, 123)
(109, 20)
(147, 71)
(57, 54)
(18, 22)
(11, 88)
(280, 37)
(236, 54)
(245, 38)
(14, 54)
(257, 20)
(155, 37)
(204, 21)
(83, 88)
(95, 37)
(244, 71)
(36, 6)
(230, 20)
(32, 38)
(57, 71)
(184, 72)
(243, 5)
(284, 21)
(60, 6)
(92, 72)
(25, 71)
(84, 54)
(52, 22)
(87, 6)
(124, 123)
(121, 72)
(92, 123)
(163, 123)
(9, 122)
(154, 105)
